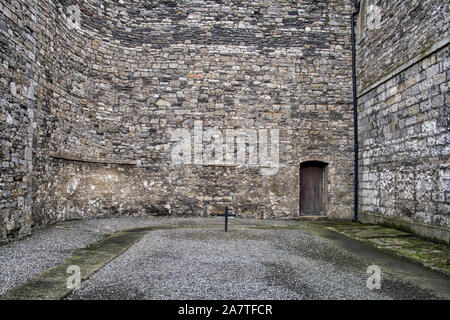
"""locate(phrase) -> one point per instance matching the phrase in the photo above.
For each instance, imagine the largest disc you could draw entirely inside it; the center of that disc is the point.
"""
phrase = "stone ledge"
(311, 218)
(65, 157)
(404, 66)
(434, 233)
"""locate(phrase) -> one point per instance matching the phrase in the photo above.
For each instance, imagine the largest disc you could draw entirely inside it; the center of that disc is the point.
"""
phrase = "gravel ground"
(115, 224)
(243, 264)
(24, 259)
(203, 263)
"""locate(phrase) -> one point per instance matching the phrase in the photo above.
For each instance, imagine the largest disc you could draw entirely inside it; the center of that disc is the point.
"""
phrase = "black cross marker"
(226, 215)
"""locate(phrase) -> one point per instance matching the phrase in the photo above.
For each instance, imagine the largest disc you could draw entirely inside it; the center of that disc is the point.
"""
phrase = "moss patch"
(429, 254)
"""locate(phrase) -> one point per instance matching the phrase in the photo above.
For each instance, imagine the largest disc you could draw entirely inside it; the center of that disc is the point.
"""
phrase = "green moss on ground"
(433, 255)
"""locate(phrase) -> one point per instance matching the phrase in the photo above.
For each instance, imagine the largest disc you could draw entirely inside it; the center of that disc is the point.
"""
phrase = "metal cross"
(226, 215)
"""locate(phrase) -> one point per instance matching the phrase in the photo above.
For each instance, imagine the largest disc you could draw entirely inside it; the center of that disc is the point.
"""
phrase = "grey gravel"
(243, 264)
(204, 263)
(24, 259)
(116, 224)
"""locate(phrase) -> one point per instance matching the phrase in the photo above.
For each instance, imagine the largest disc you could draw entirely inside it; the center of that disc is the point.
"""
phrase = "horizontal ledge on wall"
(235, 166)
(434, 48)
(310, 218)
(60, 156)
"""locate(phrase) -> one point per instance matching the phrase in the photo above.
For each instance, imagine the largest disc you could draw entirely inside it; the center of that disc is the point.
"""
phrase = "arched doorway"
(312, 186)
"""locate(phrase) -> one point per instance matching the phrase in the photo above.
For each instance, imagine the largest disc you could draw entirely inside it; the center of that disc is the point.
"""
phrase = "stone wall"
(109, 94)
(403, 67)
(391, 33)
(17, 107)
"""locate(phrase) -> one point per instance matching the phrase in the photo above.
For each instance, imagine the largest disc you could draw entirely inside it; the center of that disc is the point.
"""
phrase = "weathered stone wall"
(403, 63)
(17, 83)
(109, 94)
(238, 65)
(391, 33)
(87, 113)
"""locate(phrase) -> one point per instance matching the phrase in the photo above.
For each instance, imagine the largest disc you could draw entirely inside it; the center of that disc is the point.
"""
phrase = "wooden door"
(311, 190)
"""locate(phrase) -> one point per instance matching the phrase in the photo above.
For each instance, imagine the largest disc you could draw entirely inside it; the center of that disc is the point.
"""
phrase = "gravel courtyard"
(197, 260)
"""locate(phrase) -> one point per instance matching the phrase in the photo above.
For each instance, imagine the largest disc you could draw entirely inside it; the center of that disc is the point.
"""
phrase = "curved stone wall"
(110, 94)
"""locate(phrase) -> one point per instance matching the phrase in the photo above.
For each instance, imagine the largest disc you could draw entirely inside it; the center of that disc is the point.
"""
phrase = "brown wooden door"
(311, 190)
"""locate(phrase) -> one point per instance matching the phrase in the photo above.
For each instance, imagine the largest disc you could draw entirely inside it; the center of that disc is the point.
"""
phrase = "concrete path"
(179, 258)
